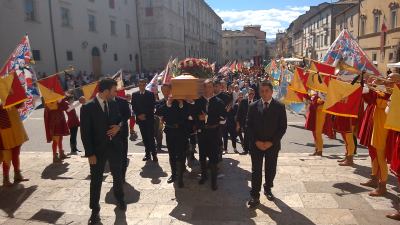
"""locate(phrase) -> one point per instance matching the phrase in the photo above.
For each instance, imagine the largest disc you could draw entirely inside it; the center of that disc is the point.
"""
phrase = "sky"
(272, 15)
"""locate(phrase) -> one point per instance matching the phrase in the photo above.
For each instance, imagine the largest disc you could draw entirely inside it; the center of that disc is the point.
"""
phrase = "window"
(247, 52)
(69, 56)
(393, 19)
(149, 8)
(92, 23)
(115, 57)
(374, 57)
(236, 52)
(65, 17)
(226, 53)
(128, 31)
(326, 39)
(112, 4)
(351, 21)
(376, 23)
(36, 55)
(391, 56)
(130, 57)
(30, 10)
(113, 27)
(363, 22)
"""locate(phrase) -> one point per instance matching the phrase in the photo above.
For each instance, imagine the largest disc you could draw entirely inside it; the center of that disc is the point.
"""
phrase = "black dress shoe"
(122, 205)
(146, 158)
(269, 195)
(155, 159)
(94, 218)
(253, 202)
(171, 179)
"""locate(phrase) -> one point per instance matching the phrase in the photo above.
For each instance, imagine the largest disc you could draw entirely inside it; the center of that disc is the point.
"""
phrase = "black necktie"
(106, 109)
(266, 104)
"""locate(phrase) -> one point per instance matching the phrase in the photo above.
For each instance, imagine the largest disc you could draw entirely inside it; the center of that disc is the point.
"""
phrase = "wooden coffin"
(186, 87)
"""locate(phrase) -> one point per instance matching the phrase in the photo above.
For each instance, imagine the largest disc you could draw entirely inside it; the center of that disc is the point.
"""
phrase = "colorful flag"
(119, 79)
(11, 91)
(50, 89)
(293, 97)
(343, 99)
(153, 85)
(232, 67)
(90, 90)
(299, 81)
(20, 62)
(167, 73)
(345, 48)
(392, 119)
(316, 81)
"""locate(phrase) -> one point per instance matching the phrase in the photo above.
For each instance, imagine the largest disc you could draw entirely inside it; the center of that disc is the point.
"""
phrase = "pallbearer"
(175, 114)
(209, 112)
(12, 136)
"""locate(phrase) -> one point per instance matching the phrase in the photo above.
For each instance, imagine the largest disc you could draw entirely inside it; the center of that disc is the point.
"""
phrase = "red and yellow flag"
(314, 79)
(11, 91)
(293, 96)
(392, 119)
(299, 81)
(90, 90)
(343, 99)
(50, 89)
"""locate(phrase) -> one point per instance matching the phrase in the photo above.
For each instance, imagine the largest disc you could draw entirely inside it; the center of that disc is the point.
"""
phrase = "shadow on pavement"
(53, 171)
(131, 195)
(153, 171)
(13, 197)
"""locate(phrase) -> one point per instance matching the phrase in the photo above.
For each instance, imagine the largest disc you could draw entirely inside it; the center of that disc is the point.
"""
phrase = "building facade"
(93, 36)
(178, 28)
(381, 47)
(261, 39)
(238, 45)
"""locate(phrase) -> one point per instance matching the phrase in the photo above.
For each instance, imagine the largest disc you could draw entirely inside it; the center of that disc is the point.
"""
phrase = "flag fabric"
(392, 119)
(343, 99)
(90, 90)
(318, 82)
(20, 62)
(11, 91)
(153, 85)
(293, 97)
(167, 73)
(299, 81)
(119, 79)
(50, 89)
(213, 67)
(232, 67)
(346, 49)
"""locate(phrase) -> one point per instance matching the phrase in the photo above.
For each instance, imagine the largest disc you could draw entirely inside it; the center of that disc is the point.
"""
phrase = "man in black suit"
(241, 119)
(143, 104)
(209, 111)
(123, 106)
(266, 125)
(101, 138)
(220, 92)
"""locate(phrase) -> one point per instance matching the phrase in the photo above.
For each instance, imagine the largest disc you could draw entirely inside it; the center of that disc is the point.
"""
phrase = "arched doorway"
(96, 62)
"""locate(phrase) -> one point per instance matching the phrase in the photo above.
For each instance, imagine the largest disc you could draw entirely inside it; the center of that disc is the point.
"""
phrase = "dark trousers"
(147, 131)
(231, 131)
(124, 165)
(246, 142)
(257, 157)
(176, 144)
(209, 145)
(240, 135)
(221, 139)
(113, 156)
(72, 138)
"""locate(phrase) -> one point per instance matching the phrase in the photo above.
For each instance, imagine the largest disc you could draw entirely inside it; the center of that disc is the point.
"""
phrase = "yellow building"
(382, 49)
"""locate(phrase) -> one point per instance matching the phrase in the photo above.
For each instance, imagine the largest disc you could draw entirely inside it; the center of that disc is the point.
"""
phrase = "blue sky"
(272, 15)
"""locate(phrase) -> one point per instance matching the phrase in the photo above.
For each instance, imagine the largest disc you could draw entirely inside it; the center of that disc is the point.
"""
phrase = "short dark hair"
(142, 80)
(267, 83)
(106, 84)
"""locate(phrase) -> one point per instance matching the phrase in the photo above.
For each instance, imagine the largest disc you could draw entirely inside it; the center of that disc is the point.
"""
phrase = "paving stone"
(318, 201)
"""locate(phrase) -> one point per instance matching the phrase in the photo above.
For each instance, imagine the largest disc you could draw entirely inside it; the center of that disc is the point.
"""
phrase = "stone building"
(178, 28)
(238, 45)
(93, 36)
(348, 19)
(261, 40)
(381, 47)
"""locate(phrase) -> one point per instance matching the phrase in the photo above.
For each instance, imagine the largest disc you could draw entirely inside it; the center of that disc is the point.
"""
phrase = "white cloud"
(271, 20)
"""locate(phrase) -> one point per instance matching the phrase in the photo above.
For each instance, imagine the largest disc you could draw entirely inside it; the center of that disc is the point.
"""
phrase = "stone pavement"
(309, 191)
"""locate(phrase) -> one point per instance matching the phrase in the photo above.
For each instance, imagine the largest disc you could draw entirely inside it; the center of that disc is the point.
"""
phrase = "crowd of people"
(238, 108)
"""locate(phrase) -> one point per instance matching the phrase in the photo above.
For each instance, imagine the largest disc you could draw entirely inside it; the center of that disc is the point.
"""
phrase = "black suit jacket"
(143, 104)
(241, 114)
(94, 127)
(269, 125)
(125, 111)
